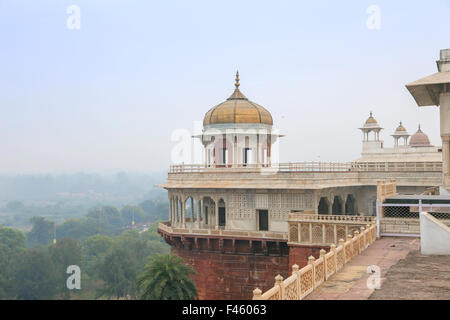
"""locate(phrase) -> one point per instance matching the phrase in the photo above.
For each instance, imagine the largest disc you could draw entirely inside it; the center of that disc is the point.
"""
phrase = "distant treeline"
(124, 187)
(59, 197)
(106, 220)
(91, 233)
(109, 266)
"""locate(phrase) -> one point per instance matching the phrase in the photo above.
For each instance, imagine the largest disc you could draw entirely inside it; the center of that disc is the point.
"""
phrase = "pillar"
(183, 213)
(316, 201)
(204, 211)
(177, 206)
(170, 209)
(192, 209)
(330, 205)
(199, 213)
(257, 149)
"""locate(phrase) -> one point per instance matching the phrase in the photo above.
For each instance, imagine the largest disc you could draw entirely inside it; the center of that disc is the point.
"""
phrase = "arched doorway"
(222, 213)
(337, 205)
(323, 207)
(350, 205)
(208, 211)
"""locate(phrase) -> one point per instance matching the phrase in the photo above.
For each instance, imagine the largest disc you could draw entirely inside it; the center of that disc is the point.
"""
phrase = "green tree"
(96, 245)
(79, 229)
(4, 268)
(12, 242)
(109, 218)
(34, 276)
(94, 250)
(64, 253)
(117, 270)
(13, 239)
(41, 232)
(139, 247)
(166, 277)
(155, 209)
(128, 212)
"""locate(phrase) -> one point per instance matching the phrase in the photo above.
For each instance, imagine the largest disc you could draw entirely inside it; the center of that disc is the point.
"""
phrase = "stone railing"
(303, 281)
(323, 229)
(432, 166)
(386, 189)
(328, 217)
(164, 226)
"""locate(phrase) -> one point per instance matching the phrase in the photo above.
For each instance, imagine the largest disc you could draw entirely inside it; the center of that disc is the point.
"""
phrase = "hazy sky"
(108, 96)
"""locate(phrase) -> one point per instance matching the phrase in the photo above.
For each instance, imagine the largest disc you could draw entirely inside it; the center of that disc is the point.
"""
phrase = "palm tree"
(166, 277)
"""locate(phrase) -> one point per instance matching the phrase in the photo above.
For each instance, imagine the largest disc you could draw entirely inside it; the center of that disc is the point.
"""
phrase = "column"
(316, 201)
(330, 206)
(192, 209)
(183, 213)
(324, 235)
(257, 150)
(310, 233)
(344, 202)
(177, 205)
(335, 233)
(204, 212)
(234, 163)
(170, 209)
(199, 213)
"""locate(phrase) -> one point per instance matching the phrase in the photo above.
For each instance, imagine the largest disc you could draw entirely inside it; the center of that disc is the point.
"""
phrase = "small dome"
(371, 122)
(400, 128)
(237, 109)
(400, 131)
(419, 139)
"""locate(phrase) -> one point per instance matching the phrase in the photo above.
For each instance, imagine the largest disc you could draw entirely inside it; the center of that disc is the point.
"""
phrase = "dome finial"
(370, 113)
(237, 79)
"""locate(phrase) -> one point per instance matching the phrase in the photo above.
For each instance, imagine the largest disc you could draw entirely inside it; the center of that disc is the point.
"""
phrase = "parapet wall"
(223, 276)
(434, 236)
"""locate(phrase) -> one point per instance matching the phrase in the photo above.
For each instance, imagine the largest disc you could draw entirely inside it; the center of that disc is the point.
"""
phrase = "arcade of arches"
(338, 206)
(207, 210)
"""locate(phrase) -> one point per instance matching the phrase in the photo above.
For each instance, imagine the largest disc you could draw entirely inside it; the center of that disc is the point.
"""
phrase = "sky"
(108, 96)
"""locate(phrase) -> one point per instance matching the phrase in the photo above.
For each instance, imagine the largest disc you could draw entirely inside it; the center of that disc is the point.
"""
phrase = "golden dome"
(371, 120)
(400, 127)
(238, 109)
(419, 139)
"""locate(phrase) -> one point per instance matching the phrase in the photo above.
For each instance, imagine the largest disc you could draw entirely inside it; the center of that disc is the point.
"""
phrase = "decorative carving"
(293, 233)
(303, 281)
(317, 234)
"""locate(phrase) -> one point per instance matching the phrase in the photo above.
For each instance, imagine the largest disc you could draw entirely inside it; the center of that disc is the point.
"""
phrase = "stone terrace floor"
(405, 274)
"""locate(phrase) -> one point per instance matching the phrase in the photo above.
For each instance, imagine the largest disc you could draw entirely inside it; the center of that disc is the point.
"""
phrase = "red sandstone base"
(225, 276)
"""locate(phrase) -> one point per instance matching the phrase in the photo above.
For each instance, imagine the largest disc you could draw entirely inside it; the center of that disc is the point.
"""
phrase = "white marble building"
(241, 186)
(417, 149)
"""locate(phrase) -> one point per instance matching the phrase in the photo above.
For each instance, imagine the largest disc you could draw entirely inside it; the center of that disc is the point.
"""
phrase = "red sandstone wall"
(299, 254)
(232, 276)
